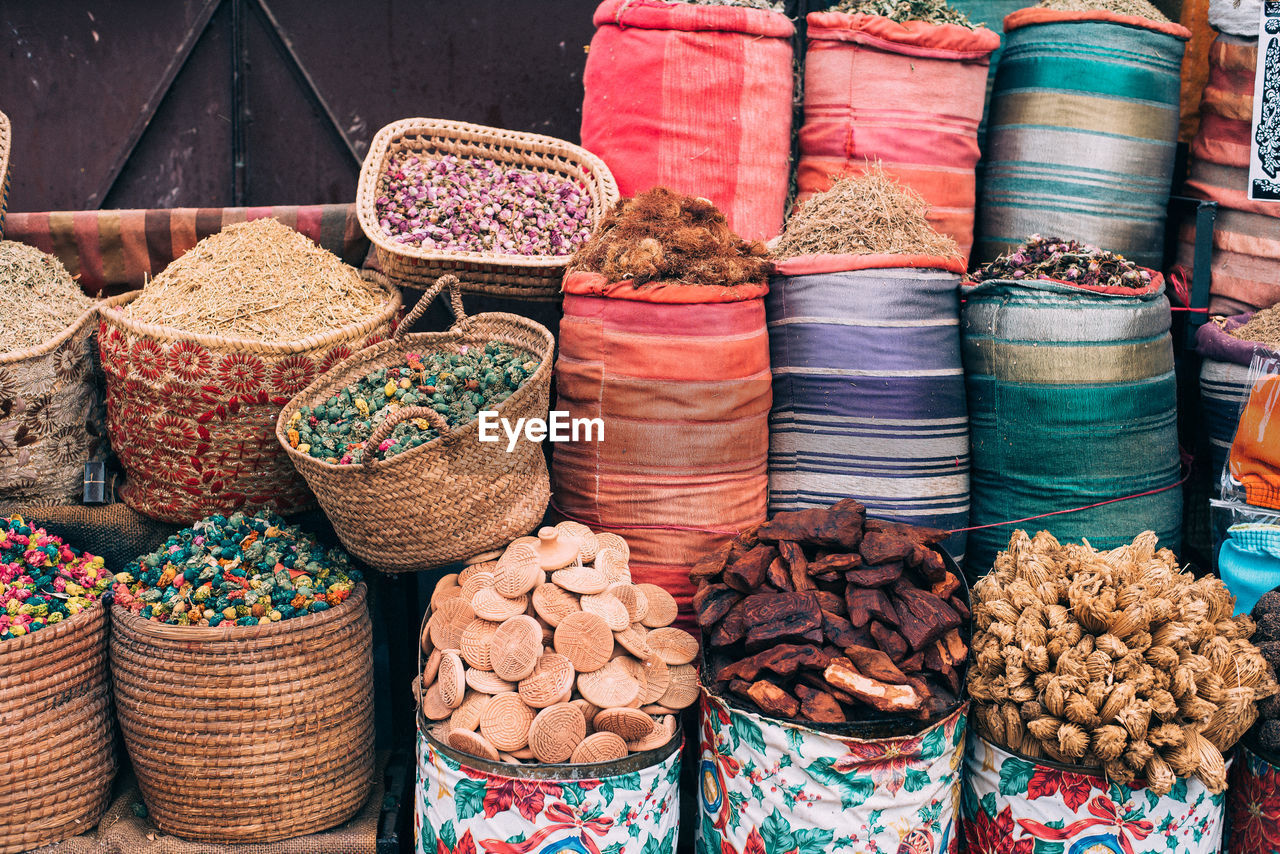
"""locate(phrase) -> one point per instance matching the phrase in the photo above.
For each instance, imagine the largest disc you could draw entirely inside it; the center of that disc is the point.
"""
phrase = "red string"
(588, 522)
(1192, 310)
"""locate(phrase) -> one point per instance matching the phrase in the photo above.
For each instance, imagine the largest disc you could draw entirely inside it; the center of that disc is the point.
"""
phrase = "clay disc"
(433, 706)
(556, 731)
(509, 759)
(613, 565)
(599, 747)
(469, 742)
(448, 623)
(634, 640)
(683, 689)
(662, 733)
(452, 679)
(585, 640)
(609, 686)
(630, 724)
(655, 709)
(489, 604)
(588, 544)
(517, 572)
(662, 606)
(515, 648)
(581, 579)
(467, 716)
(555, 552)
(523, 753)
(440, 732)
(674, 646)
(446, 588)
(589, 711)
(505, 722)
(483, 557)
(432, 667)
(610, 540)
(632, 598)
(548, 682)
(471, 569)
(475, 643)
(475, 583)
(608, 607)
(553, 603)
(488, 683)
(657, 679)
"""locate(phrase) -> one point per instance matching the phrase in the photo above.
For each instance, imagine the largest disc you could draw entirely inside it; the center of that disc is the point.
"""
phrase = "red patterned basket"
(192, 417)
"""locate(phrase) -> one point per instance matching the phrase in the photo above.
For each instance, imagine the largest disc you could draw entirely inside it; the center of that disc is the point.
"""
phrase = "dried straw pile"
(929, 11)
(1263, 328)
(864, 214)
(38, 297)
(1114, 660)
(1139, 8)
(259, 280)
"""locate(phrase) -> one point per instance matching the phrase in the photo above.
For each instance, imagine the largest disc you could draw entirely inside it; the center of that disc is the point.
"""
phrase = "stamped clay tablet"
(446, 588)
(613, 566)
(599, 747)
(610, 540)
(588, 543)
(432, 667)
(589, 711)
(467, 716)
(674, 646)
(634, 640)
(452, 679)
(475, 583)
(515, 648)
(632, 598)
(483, 557)
(447, 624)
(556, 731)
(630, 724)
(548, 682)
(662, 606)
(683, 689)
(487, 683)
(553, 603)
(517, 572)
(581, 579)
(661, 735)
(469, 742)
(585, 640)
(609, 686)
(607, 606)
(474, 646)
(433, 705)
(505, 722)
(489, 604)
(657, 679)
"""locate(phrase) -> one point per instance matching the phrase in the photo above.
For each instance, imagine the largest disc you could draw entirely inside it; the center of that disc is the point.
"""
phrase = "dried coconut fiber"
(868, 391)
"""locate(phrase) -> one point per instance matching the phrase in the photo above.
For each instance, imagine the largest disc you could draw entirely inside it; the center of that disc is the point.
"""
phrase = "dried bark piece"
(929, 564)
(947, 586)
(773, 616)
(747, 573)
(772, 700)
(829, 576)
(867, 605)
(960, 607)
(816, 681)
(915, 533)
(890, 642)
(923, 617)
(838, 525)
(783, 659)
(879, 695)
(797, 564)
(957, 651)
(818, 706)
(740, 687)
(748, 538)
(709, 566)
(912, 663)
(875, 664)
(884, 548)
(778, 576)
(881, 575)
(732, 628)
(837, 561)
(712, 602)
(840, 631)
(833, 602)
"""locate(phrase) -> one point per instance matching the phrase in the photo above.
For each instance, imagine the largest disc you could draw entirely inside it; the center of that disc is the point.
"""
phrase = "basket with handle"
(534, 277)
(455, 496)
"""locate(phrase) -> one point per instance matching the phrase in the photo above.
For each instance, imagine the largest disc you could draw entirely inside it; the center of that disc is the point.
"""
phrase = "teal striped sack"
(1081, 133)
(1072, 402)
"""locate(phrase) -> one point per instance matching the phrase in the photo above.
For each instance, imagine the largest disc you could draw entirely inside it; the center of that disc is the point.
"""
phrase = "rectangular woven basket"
(534, 277)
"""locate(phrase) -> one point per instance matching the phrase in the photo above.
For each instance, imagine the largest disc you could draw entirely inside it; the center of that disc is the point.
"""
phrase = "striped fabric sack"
(1072, 402)
(991, 14)
(1224, 381)
(868, 388)
(1082, 132)
(680, 376)
(697, 99)
(910, 95)
(1245, 271)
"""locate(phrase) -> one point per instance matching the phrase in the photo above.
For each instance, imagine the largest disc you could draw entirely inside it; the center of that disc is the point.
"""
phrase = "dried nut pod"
(474, 645)
(1045, 728)
(1160, 777)
(433, 705)
(1056, 647)
(581, 579)
(487, 682)
(1073, 741)
(1081, 711)
(657, 679)
(1037, 659)
(432, 667)
(489, 604)
(635, 640)
(610, 540)
(662, 606)
(1096, 693)
(517, 572)
(1097, 664)
(548, 682)
(609, 608)
(599, 747)
(467, 716)
(1000, 611)
(446, 588)
(472, 743)
(505, 722)
(683, 690)
(553, 603)
(1112, 646)
(452, 679)
(1109, 741)
(556, 731)
(448, 624)
(476, 582)
(1055, 697)
(1013, 726)
(555, 552)
(609, 686)
(1163, 705)
(632, 598)
(630, 724)
(515, 648)
(993, 723)
(585, 640)
(612, 565)
(1004, 631)
(1161, 657)
(672, 645)
(1117, 771)
(1022, 694)
(1121, 695)
(1138, 755)
(1031, 710)
(588, 542)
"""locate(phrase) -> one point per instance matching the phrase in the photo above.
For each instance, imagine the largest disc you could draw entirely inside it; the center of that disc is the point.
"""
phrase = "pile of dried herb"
(1263, 328)
(1137, 8)
(662, 236)
(749, 4)
(929, 11)
(38, 298)
(864, 214)
(259, 280)
(1055, 259)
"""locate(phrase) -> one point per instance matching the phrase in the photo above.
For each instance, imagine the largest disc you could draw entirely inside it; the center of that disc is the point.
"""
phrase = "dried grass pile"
(1138, 8)
(259, 280)
(864, 214)
(929, 11)
(38, 297)
(1263, 328)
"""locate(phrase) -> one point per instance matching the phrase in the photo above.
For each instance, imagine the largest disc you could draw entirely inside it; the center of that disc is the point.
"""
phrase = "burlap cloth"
(122, 831)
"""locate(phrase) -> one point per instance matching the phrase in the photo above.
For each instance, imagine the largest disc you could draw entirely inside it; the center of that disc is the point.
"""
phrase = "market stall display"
(202, 707)
(56, 694)
(431, 491)
(502, 210)
(50, 406)
(1227, 350)
(200, 362)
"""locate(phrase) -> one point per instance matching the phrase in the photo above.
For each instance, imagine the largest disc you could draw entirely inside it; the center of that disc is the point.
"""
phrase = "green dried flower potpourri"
(929, 11)
(1069, 261)
(242, 569)
(458, 385)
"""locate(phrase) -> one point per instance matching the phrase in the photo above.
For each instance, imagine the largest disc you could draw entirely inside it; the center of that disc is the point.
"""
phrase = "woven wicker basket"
(192, 417)
(58, 758)
(534, 277)
(455, 496)
(248, 733)
(6, 145)
(50, 416)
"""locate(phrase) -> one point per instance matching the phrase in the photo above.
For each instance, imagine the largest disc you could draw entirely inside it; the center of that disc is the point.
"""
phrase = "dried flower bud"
(1120, 695)
(1031, 710)
(1166, 736)
(1109, 742)
(1055, 698)
(1117, 771)
(1163, 705)
(1073, 741)
(1044, 728)
(1160, 777)
(1013, 726)
(1081, 711)
(1161, 657)
(1184, 682)
(1098, 665)
(1138, 754)
(1037, 659)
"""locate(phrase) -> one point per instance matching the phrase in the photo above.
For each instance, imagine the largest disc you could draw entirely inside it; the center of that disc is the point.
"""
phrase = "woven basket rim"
(6, 144)
(53, 343)
(520, 141)
(51, 634)
(164, 631)
(357, 365)
(109, 314)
